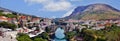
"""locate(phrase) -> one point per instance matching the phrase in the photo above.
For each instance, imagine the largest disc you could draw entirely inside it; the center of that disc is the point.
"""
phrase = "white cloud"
(53, 5)
(68, 13)
(64, 5)
(36, 1)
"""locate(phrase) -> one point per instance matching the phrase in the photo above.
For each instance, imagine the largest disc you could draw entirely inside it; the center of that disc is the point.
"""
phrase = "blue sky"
(51, 8)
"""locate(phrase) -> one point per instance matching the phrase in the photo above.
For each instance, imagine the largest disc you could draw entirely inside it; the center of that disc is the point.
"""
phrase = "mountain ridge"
(14, 12)
(93, 9)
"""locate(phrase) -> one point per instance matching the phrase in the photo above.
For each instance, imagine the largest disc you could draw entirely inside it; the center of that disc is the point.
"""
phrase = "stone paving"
(7, 39)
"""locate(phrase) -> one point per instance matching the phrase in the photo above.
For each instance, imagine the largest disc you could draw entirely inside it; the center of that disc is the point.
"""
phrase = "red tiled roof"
(23, 17)
(9, 18)
(35, 19)
(3, 18)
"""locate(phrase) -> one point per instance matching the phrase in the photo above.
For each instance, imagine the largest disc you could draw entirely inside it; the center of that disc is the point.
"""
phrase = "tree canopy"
(8, 25)
(23, 37)
(113, 34)
(39, 39)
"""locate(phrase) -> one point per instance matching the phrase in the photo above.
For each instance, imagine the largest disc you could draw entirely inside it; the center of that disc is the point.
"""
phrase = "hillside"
(94, 11)
(14, 12)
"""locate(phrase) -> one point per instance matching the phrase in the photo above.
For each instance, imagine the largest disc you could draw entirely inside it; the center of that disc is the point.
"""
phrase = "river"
(59, 35)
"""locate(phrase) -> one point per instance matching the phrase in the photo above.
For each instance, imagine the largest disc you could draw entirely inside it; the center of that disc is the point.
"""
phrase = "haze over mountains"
(96, 11)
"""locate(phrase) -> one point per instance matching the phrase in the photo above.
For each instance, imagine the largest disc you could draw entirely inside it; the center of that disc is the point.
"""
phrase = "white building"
(6, 12)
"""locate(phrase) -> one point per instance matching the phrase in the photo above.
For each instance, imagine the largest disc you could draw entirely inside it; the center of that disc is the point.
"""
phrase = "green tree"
(1, 14)
(23, 37)
(11, 16)
(39, 39)
(114, 34)
(8, 15)
(8, 25)
(71, 34)
(1, 10)
(47, 29)
(45, 35)
(89, 35)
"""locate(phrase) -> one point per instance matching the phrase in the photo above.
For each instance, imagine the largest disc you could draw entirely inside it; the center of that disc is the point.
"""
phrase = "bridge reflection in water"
(59, 35)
